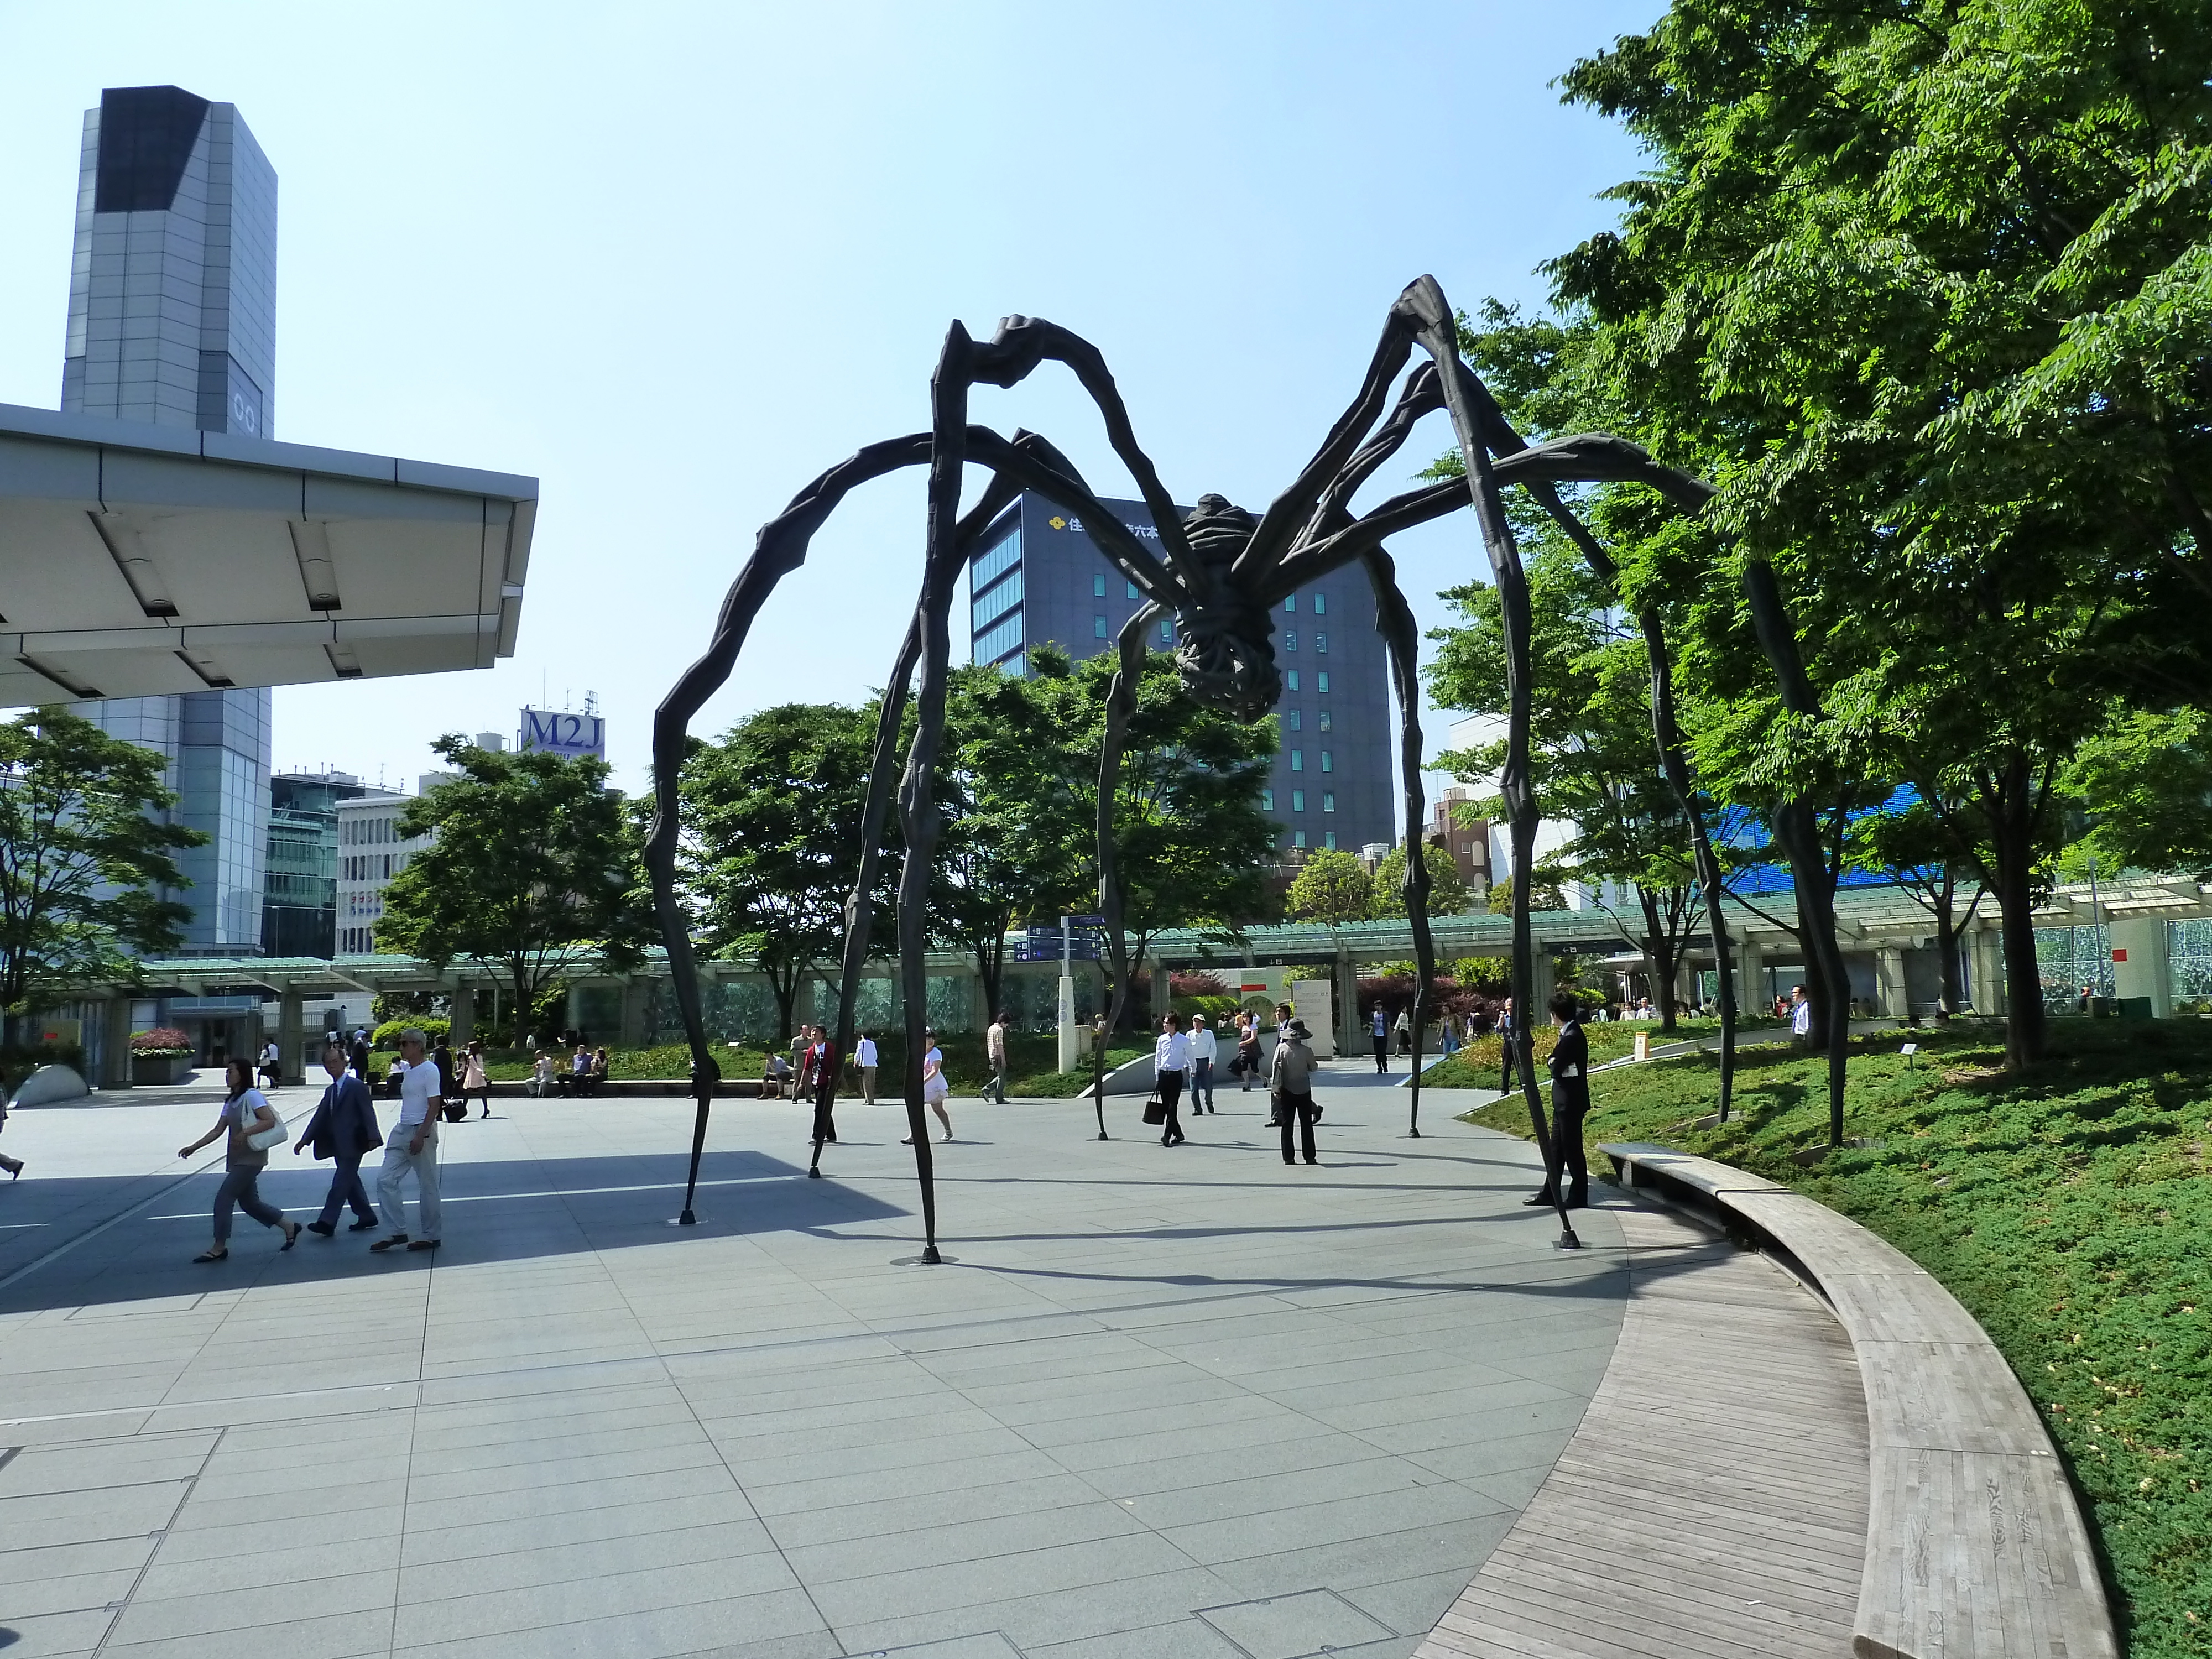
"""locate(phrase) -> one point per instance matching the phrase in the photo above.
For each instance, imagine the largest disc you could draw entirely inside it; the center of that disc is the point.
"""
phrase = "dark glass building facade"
(1039, 578)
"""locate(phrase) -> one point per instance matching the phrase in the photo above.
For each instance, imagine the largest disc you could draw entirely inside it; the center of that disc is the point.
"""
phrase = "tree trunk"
(1662, 953)
(523, 1000)
(2011, 813)
(1950, 994)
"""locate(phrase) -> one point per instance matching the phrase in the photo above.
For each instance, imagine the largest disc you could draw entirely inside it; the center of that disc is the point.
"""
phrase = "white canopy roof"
(138, 559)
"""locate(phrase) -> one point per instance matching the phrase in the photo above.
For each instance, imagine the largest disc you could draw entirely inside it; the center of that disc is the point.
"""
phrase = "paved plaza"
(1160, 1403)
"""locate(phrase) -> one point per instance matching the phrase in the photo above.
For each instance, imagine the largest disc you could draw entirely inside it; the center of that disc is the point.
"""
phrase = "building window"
(1297, 760)
(1290, 602)
(1320, 605)
(1329, 800)
(1098, 628)
(1133, 590)
(1167, 630)
(1290, 639)
(1297, 800)
(994, 561)
(1297, 837)
(1320, 643)
(1328, 840)
(1292, 679)
(1292, 716)
(1098, 586)
(1266, 800)
(1000, 598)
(995, 642)
(1327, 762)
(1320, 683)
(1324, 720)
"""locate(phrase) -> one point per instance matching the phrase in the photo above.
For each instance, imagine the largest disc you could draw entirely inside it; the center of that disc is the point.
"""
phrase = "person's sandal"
(291, 1234)
(212, 1256)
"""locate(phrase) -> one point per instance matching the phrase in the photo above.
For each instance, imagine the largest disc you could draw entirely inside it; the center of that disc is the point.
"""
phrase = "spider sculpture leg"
(1395, 619)
(1121, 705)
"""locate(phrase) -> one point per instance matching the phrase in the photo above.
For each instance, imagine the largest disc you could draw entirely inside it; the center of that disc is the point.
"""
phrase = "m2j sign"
(563, 734)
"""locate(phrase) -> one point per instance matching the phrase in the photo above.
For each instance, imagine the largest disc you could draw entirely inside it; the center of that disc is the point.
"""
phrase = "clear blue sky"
(674, 260)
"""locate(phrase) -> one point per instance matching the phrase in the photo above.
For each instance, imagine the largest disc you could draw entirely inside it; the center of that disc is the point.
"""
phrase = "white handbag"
(268, 1139)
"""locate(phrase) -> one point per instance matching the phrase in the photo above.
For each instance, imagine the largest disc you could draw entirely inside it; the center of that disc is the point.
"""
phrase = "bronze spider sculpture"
(1223, 576)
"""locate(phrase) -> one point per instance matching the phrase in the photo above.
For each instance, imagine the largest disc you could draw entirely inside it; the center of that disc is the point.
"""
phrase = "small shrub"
(162, 1041)
(432, 1027)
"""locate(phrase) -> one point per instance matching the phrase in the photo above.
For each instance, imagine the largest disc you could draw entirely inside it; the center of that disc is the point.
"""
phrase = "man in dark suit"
(343, 1129)
(1570, 1065)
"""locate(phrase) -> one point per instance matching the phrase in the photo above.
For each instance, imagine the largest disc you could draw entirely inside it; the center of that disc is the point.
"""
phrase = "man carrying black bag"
(343, 1129)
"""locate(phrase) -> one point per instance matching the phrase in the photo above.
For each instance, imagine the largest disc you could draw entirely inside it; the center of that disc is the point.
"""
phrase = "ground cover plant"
(2067, 1208)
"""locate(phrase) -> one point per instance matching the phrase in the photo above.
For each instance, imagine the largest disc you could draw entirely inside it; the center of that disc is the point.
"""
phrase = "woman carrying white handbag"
(253, 1127)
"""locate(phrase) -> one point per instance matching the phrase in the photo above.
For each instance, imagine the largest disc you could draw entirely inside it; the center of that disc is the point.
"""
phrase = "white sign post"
(1067, 1046)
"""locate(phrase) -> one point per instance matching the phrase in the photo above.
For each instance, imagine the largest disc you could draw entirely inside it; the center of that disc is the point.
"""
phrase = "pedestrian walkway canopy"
(138, 560)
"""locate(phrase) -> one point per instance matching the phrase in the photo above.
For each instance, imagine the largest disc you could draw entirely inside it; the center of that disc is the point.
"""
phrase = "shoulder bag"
(268, 1139)
(1156, 1109)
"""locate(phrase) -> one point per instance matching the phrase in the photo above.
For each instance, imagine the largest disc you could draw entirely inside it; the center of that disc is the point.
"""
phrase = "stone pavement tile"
(1290, 1626)
(881, 1518)
(1305, 1448)
(428, 1542)
(813, 1645)
(1259, 1423)
(221, 1531)
(1032, 1621)
(79, 1516)
(1217, 1403)
(744, 1626)
(277, 1493)
(523, 1566)
(1411, 1605)
(1387, 1408)
(799, 1492)
(291, 1603)
(1278, 1532)
(809, 1425)
(981, 1540)
(915, 1590)
(1294, 1489)
(641, 1591)
(72, 1426)
(56, 1636)
(430, 1480)
(65, 1592)
(254, 1569)
(30, 1566)
(1501, 1454)
(1172, 1387)
(776, 1461)
(77, 1466)
(441, 1425)
(336, 1636)
(608, 1438)
(490, 1508)
(1346, 1563)
(1188, 1638)
(1558, 1416)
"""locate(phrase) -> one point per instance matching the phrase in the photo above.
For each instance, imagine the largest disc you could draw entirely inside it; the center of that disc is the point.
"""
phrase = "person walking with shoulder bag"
(474, 1079)
(1290, 1084)
(936, 1088)
(412, 1149)
(343, 1130)
(1170, 1064)
(253, 1127)
(1247, 1049)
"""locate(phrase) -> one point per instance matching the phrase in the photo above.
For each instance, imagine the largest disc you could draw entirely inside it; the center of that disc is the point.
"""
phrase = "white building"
(1551, 834)
(371, 851)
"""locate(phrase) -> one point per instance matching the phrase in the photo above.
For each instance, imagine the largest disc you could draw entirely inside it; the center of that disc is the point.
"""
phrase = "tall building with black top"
(1039, 578)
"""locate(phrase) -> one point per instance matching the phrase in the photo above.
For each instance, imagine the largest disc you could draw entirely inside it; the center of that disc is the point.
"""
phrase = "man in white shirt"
(272, 1064)
(1203, 1046)
(1801, 1016)
(995, 1042)
(1170, 1064)
(412, 1147)
(864, 1056)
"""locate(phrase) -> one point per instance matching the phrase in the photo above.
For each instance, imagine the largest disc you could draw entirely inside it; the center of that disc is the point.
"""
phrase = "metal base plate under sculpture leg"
(1567, 1241)
(929, 1258)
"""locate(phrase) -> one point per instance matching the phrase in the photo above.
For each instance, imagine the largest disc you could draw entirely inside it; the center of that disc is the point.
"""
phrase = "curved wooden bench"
(1974, 1545)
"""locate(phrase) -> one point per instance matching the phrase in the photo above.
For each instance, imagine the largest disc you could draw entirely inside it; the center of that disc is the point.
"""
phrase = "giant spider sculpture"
(1223, 576)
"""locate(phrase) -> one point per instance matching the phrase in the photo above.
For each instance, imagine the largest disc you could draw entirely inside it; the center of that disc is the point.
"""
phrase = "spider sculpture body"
(1222, 573)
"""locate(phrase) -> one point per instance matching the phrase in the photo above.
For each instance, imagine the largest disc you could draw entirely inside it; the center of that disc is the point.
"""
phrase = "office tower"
(1039, 577)
(173, 320)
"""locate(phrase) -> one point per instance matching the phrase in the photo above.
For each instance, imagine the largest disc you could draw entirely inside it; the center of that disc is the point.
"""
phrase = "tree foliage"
(88, 866)
(534, 863)
(1448, 889)
(1333, 886)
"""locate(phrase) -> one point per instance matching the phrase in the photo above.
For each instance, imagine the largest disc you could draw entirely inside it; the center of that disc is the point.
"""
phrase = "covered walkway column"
(461, 1016)
(115, 1044)
(1986, 964)
(2140, 964)
(1348, 1039)
(291, 1041)
(1889, 995)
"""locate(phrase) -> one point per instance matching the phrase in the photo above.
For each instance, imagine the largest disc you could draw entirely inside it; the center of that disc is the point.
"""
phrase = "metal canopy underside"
(138, 560)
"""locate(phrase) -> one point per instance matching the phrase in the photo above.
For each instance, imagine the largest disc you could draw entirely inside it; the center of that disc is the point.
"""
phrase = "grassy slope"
(1476, 1065)
(2069, 1210)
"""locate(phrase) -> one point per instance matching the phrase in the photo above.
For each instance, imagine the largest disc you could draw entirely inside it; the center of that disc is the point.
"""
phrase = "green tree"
(87, 857)
(534, 862)
(2144, 782)
(1448, 889)
(1333, 886)
(1017, 842)
(770, 850)
(1924, 288)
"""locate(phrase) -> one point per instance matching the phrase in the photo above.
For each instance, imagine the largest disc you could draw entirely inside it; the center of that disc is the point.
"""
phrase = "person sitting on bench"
(775, 1078)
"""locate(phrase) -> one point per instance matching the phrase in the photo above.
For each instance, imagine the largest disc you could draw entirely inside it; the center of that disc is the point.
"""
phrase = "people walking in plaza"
(14, 1166)
(1283, 1017)
(1378, 1028)
(475, 1080)
(1290, 1084)
(449, 1073)
(1505, 1047)
(1450, 1041)
(272, 1064)
(344, 1130)
(412, 1149)
(247, 1115)
(936, 1089)
(818, 1082)
(1247, 1048)
(994, 1045)
(1569, 1068)
(1170, 1065)
(864, 1062)
(358, 1056)
(1404, 1028)
(1801, 1016)
(1203, 1049)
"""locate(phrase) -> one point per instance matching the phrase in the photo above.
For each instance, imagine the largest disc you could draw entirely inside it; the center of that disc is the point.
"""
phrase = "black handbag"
(1155, 1111)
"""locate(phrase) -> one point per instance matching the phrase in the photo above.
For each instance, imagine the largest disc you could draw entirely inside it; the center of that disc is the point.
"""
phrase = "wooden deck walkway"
(1713, 1503)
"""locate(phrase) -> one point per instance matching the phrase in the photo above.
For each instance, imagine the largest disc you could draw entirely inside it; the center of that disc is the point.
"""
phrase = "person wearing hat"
(1289, 1084)
(412, 1148)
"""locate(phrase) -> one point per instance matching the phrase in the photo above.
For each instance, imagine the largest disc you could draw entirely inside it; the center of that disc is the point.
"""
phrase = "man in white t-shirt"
(272, 1065)
(864, 1057)
(1801, 1016)
(1204, 1046)
(412, 1148)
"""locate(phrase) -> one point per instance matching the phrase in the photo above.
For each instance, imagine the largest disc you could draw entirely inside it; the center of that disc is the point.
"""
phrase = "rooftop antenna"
(590, 702)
